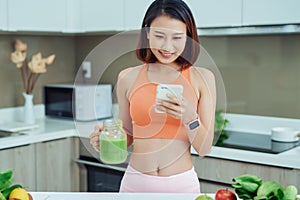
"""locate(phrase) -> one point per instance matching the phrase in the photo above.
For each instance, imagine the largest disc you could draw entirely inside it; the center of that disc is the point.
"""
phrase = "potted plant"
(220, 124)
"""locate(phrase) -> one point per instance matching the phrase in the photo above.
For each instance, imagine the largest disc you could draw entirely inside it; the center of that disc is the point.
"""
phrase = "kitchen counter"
(52, 129)
(114, 196)
(108, 196)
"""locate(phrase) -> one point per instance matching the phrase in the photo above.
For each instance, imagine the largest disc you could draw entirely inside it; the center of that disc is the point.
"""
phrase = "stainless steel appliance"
(79, 102)
(256, 142)
(95, 175)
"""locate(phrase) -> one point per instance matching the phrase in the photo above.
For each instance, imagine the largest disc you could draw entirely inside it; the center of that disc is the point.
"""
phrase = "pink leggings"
(135, 181)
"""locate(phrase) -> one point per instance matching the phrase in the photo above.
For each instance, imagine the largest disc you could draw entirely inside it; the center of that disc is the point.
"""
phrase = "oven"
(96, 176)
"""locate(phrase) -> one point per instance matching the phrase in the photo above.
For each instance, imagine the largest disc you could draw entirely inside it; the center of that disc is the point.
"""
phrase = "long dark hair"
(176, 9)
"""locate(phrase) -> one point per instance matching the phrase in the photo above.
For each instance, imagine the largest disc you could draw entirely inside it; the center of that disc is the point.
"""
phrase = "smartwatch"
(193, 124)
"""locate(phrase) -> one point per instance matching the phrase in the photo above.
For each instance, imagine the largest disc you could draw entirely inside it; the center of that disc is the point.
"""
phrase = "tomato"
(225, 194)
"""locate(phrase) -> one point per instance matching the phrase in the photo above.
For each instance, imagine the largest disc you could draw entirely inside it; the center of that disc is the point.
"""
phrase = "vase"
(28, 111)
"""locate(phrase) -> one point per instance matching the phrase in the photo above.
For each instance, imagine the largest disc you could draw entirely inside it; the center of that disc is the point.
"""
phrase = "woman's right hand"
(95, 137)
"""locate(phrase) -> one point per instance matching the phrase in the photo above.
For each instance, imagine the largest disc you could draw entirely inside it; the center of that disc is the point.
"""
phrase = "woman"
(163, 131)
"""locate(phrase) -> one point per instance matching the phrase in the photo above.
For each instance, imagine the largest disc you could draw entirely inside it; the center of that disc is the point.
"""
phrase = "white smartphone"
(163, 89)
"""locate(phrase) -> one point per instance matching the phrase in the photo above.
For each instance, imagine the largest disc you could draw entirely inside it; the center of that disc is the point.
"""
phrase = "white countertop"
(114, 196)
(51, 129)
(109, 196)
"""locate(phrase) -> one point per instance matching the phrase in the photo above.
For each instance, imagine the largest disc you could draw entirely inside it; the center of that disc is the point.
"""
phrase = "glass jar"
(113, 142)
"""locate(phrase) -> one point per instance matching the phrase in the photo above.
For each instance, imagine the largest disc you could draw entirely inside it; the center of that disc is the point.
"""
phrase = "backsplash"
(61, 71)
(260, 73)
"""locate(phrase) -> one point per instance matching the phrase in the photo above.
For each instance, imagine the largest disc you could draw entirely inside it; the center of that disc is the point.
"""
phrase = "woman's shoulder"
(130, 72)
(201, 77)
(127, 78)
(202, 72)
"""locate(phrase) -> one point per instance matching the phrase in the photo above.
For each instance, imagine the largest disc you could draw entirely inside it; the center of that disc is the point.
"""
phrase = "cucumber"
(7, 191)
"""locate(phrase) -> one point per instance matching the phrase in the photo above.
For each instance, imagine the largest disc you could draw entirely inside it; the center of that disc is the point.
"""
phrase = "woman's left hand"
(177, 108)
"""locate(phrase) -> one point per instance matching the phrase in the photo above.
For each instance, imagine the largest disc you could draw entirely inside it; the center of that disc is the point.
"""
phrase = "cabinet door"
(73, 16)
(3, 14)
(36, 15)
(222, 171)
(22, 161)
(135, 11)
(260, 12)
(212, 187)
(214, 13)
(102, 15)
(56, 170)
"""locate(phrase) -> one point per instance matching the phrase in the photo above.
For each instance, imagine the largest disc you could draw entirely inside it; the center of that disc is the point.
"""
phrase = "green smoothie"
(113, 150)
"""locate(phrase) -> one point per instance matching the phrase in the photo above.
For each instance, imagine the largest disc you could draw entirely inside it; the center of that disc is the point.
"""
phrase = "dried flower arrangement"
(30, 71)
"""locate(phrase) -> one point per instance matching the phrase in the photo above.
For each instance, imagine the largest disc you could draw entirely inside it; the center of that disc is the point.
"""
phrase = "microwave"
(78, 102)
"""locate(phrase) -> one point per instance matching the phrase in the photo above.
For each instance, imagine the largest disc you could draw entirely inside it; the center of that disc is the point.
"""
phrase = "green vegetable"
(290, 192)
(5, 179)
(7, 191)
(246, 185)
(204, 197)
(270, 190)
(220, 124)
(250, 187)
(260, 198)
(248, 178)
(7, 184)
(243, 194)
(2, 197)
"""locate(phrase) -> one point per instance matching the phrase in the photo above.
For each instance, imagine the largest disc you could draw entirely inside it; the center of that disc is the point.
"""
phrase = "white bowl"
(285, 134)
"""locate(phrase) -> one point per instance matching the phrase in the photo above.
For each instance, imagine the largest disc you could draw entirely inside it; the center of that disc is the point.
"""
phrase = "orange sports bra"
(146, 122)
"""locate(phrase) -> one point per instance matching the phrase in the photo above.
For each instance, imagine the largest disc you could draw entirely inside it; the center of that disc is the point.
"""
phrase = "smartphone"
(163, 89)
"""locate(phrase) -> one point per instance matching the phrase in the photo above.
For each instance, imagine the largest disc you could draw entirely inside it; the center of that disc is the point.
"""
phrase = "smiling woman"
(167, 38)
(168, 46)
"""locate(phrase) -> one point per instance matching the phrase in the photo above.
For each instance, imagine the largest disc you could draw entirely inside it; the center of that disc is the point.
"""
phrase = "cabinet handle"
(79, 161)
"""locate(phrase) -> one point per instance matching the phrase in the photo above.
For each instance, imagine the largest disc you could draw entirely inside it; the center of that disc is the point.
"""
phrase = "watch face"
(194, 125)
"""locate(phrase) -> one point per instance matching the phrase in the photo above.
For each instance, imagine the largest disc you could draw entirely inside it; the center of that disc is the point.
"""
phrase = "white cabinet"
(22, 161)
(229, 13)
(265, 12)
(134, 13)
(36, 15)
(102, 15)
(215, 13)
(3, 14)
(73, 17)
